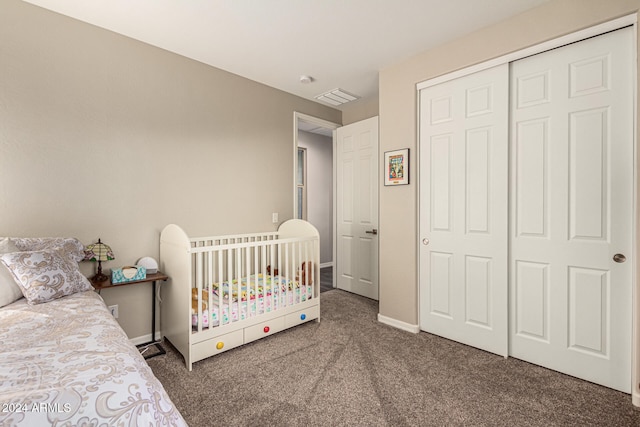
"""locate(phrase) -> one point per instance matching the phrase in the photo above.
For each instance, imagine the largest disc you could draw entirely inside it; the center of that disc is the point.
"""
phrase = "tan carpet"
(349, 369)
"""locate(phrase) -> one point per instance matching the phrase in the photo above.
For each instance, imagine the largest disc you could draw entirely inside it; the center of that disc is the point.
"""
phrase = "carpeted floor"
(349, 369)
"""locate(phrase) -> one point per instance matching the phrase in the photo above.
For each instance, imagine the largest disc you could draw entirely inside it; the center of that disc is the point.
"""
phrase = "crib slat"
(255, 278)
(220, 267)
(298, 266)
(246, 266)
(199, 289)
(281, 275)
(287, 264)
(230, 284)
(209, 289)
(293, 272)
(316, 268)
(273, 277)
(307, 276)
(248, 274)
(238, 279)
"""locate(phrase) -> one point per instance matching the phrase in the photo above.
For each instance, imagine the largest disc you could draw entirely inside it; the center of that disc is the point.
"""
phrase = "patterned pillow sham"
(46, 275)
(71, 245)
(9, 289)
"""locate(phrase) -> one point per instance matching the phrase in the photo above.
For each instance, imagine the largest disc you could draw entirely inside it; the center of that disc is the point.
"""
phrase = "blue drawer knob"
(303, 316)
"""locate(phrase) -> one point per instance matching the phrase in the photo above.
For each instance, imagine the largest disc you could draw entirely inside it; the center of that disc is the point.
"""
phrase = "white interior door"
(571, 210)
(463, 209)
(357, 208)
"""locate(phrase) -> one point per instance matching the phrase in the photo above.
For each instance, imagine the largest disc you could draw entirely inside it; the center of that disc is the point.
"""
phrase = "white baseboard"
(144, 339)
(635, 399)
(398, 324)
(326, 264)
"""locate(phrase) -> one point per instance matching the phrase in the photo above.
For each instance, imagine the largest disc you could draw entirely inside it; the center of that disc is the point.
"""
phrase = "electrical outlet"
(274, 217)
(114, 310)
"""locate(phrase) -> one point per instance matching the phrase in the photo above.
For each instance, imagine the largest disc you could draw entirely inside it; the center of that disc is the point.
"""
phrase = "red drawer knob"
(266, 329)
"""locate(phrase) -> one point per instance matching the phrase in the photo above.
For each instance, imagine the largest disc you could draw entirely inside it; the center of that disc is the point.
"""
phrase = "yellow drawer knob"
(220, 345)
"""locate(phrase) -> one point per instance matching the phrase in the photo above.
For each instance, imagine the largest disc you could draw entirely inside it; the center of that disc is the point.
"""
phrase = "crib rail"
(232, 239)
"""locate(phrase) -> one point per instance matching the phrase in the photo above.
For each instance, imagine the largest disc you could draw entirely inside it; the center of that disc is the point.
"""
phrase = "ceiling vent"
(337, 97)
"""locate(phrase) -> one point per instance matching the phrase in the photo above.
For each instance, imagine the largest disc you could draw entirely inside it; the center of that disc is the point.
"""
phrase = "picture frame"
(396, 167)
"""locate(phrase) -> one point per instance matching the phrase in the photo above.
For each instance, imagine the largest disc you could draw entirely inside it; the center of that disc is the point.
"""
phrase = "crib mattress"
(248, 299)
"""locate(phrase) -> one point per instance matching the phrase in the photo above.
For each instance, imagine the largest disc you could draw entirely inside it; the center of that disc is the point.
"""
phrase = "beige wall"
(104, 136)
(398, 127)
(360, 110)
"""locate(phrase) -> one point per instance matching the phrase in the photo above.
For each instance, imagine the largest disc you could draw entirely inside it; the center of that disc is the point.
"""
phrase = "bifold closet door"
(571, 209)
(463, 209)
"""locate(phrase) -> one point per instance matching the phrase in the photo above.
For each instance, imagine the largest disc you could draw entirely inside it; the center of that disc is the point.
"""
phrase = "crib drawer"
(302, 316)
(263, 329)
(216, 345)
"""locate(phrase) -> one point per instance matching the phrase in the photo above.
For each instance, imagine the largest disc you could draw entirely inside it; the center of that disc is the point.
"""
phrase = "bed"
(226, 291)
(64, 360)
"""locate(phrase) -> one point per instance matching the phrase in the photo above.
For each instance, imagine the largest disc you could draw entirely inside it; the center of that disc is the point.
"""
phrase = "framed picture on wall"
(396, 167)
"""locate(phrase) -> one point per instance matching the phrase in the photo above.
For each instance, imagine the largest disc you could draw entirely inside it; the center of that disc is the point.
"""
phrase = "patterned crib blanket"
(251, 296)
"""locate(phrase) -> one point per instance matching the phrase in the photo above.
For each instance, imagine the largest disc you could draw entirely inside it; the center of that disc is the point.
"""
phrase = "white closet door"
(571, 209)
(463, 209)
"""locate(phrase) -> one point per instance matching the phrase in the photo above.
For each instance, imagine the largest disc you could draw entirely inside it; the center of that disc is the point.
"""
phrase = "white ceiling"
(314, 128)
(340, 43)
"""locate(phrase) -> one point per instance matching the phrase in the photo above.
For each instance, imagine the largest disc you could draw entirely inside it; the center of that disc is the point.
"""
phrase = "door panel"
(531, 294)
(478, 175)
(478, 291)
(357, 210)
(532, 183)
(572, 180)
(588, 306)
(587, 182)
(440, 159)
(440, 285)
(463, 209)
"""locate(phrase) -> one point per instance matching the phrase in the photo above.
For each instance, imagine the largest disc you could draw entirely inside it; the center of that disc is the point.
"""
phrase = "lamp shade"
(98, 252)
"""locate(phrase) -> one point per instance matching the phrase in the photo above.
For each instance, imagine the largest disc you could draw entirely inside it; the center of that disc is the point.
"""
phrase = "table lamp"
(99, 252)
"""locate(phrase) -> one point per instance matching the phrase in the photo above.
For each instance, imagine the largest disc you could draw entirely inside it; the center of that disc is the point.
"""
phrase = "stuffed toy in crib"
(301, 277)
(194, 300)
(275, 271)
(301, 274)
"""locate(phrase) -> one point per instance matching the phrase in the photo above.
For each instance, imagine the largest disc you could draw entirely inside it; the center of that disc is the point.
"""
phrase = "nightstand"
(99, 286)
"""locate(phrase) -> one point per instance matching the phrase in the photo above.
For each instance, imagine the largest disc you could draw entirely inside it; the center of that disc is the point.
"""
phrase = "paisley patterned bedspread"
(67, 363)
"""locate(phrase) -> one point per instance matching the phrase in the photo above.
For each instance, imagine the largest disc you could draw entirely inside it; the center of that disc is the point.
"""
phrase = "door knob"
(425, 241)
(619, 258)
(374, 231)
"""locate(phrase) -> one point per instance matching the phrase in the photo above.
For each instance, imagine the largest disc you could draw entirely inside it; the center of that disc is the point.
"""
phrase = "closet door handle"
(619, 258)
(374, 231)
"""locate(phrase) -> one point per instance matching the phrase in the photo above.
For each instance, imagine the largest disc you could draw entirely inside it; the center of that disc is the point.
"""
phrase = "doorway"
(314, 189)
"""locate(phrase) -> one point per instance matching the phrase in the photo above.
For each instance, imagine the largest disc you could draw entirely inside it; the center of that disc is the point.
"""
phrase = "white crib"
(225, 291)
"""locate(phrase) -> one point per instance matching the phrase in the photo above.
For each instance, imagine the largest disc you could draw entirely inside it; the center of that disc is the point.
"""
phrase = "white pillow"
(9, 289)
(46, 275)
